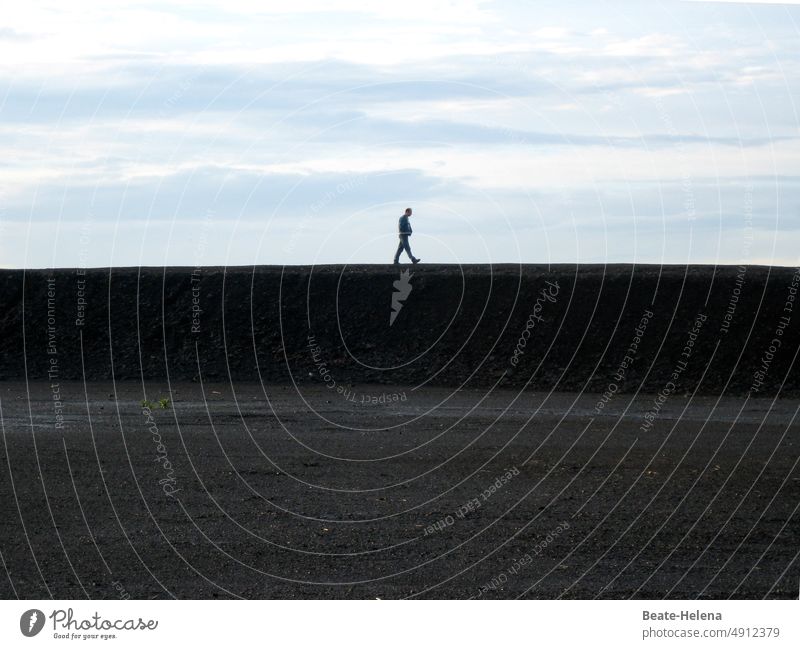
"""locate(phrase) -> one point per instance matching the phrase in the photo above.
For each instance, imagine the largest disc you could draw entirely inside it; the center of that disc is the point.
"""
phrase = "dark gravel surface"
(457, 325)
(511, 431)
(284, 493)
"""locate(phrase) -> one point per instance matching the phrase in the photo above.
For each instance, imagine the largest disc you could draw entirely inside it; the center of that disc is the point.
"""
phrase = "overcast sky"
(245, 132)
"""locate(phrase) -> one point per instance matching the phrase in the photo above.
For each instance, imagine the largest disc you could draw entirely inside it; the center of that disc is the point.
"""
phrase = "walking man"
(404, 227)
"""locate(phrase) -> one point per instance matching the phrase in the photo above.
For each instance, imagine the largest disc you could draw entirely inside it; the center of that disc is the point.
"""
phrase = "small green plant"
(163, 403)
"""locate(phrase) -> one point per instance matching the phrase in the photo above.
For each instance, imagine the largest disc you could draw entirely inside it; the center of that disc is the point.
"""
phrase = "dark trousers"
(403, 245)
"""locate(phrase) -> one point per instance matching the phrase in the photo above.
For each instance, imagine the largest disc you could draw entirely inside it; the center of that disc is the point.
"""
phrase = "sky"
(258, 132)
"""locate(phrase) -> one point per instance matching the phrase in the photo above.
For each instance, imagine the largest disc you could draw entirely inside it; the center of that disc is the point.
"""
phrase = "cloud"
(8, 34)
(479, 110)
(231, 193)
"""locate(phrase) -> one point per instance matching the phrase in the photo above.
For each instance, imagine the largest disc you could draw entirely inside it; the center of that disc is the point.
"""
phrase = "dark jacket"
(404, 226)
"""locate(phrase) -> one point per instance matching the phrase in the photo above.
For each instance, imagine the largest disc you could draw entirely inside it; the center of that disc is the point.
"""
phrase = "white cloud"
(445, 95)
(661, 45)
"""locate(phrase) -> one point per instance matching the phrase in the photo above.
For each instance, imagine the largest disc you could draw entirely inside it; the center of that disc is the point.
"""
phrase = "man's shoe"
(396, 262)
(416, 261)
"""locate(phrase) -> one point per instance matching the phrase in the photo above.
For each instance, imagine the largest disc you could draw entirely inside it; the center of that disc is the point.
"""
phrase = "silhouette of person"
(404, 229)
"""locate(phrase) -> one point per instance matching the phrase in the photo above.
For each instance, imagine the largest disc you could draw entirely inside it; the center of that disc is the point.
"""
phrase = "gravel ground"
(389, 491)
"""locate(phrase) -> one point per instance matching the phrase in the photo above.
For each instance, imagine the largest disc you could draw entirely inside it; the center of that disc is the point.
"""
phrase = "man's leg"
(399, 250)
(408, 250)
(406, 246)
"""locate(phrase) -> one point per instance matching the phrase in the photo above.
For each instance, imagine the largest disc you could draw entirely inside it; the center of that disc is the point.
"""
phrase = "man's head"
(408, 211)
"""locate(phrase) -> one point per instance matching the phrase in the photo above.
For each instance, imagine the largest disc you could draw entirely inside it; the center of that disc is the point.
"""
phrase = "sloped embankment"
(596, 328)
